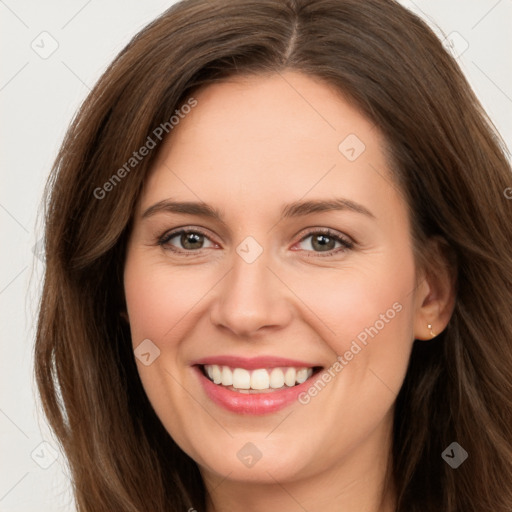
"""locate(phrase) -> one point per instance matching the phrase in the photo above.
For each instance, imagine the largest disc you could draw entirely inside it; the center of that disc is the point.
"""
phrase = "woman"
(278, 270)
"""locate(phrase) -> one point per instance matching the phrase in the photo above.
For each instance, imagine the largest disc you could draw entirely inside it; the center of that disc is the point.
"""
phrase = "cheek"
(159, 298)
(365, 315)
(347, 303)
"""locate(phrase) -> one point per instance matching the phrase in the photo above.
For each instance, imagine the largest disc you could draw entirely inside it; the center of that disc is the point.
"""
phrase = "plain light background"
(39, 94)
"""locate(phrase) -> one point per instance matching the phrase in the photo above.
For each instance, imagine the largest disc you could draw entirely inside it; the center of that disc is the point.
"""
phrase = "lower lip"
(254, 403)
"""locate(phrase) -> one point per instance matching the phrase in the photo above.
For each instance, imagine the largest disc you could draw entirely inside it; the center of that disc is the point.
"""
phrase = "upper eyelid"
(177, 231)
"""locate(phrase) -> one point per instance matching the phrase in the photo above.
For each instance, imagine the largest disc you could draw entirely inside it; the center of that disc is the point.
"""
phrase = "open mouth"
(261, 380)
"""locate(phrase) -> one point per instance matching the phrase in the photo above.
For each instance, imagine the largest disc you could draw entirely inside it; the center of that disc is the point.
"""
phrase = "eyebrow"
(291, 210)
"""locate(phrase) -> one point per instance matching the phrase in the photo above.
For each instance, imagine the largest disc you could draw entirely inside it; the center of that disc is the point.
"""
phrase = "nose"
(251, 299)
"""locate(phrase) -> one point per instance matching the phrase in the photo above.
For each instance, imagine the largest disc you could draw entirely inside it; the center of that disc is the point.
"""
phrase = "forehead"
(287, 133)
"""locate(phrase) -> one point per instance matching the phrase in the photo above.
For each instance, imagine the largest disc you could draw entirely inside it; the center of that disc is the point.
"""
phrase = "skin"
(250, 146)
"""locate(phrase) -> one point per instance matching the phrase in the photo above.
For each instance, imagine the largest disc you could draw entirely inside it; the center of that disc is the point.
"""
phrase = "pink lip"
(255, 403)
(253, 363)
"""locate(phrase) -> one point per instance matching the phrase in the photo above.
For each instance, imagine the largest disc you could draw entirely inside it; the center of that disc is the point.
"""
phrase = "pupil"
(323, 245)
(188, 238)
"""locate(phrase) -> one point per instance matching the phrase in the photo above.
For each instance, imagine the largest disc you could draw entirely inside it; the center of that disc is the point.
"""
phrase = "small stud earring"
(431, 332)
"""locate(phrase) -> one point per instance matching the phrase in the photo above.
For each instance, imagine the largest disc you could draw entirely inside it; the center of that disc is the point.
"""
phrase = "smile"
(264, 380)
(260, 385)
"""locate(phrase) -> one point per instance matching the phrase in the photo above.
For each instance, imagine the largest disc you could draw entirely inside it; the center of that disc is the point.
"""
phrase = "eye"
(325, 240)
(190, 240)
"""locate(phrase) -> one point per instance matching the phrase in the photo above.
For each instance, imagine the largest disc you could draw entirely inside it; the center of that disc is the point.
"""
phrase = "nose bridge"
(251, 296)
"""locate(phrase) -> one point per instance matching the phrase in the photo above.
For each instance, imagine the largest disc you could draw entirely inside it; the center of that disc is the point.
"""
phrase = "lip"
(254, 403)
(253, 363)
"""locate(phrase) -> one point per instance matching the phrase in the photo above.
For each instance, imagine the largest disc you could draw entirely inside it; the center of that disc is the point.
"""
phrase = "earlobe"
(432, 333)
(124, 315)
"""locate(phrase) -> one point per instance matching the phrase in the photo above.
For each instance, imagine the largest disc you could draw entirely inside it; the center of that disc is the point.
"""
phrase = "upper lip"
(253, 363)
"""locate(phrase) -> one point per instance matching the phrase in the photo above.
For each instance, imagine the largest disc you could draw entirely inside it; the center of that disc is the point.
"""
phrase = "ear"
(435, 295)
(124, 315)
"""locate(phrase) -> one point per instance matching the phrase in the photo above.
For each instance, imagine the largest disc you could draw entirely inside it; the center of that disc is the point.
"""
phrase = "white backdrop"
(52, 54)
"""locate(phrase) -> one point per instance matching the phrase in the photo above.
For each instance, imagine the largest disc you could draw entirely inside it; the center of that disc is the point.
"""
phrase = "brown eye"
(325, 242)
(191, 240)
(185, 241)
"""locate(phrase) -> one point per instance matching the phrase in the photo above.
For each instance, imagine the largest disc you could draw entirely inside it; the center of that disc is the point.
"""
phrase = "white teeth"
(259, 379)
(241, 378)
(216, 374)
(227, 376)
(289, 377)
(302, 375)
(244, 380)
(276, 378)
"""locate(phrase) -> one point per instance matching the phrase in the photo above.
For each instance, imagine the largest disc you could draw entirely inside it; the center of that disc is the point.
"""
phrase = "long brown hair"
(452, 169)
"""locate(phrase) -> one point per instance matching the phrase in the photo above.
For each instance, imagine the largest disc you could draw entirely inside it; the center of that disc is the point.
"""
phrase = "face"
(273, 337)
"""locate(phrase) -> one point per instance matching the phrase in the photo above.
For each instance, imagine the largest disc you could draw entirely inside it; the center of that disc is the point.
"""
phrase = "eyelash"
(346, 243)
